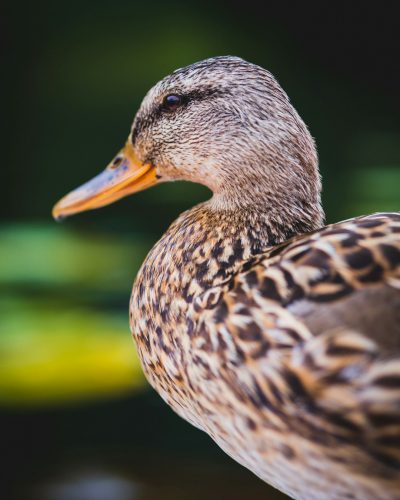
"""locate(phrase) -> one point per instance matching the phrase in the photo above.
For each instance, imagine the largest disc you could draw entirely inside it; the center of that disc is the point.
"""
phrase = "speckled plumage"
(312, 414)
(278, 337)
(213, 312)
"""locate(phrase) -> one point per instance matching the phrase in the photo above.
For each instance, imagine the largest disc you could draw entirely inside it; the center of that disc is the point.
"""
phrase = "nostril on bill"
(116, 162)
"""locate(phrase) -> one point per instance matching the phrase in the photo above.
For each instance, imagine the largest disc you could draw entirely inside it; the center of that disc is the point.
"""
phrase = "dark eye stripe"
(142, 122)
(171, 102)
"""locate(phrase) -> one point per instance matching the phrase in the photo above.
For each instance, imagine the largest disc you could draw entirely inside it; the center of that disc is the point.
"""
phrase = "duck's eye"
(172, 102)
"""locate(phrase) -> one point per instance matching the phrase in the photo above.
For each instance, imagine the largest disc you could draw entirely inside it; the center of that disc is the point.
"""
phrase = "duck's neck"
(202, 249)
(210, 241)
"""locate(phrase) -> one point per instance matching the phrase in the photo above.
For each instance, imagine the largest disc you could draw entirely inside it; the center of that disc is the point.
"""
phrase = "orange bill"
(123, 176)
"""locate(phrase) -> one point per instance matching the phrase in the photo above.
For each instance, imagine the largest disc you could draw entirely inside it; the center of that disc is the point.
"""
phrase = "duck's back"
(309, 334)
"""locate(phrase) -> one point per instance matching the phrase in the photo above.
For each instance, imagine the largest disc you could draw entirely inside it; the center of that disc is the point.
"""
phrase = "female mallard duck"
(278, 337)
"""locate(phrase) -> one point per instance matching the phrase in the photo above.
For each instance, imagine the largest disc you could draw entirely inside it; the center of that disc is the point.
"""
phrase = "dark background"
(77, 420)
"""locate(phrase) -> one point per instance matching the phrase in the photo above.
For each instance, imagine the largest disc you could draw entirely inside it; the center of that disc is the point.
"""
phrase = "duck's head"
(224, 123)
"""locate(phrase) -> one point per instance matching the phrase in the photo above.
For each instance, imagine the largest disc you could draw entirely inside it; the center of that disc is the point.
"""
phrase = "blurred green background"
(77, 420)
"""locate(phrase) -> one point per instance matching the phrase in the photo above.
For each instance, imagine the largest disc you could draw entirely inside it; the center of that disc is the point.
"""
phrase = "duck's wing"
(346, 276)
(311, 332)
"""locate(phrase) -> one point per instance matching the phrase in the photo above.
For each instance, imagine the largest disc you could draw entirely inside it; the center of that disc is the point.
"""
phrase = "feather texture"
(242, 364)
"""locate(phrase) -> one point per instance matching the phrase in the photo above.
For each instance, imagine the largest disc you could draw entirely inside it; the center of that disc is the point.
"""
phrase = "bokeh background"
(77, 419)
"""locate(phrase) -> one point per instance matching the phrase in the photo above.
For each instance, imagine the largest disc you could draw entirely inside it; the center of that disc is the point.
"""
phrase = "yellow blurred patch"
(52, 354)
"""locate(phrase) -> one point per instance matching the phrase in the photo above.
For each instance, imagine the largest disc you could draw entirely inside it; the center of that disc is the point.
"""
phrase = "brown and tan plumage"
(278, 337)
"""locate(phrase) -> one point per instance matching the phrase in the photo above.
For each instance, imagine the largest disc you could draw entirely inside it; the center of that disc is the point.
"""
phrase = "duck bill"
(123, 176)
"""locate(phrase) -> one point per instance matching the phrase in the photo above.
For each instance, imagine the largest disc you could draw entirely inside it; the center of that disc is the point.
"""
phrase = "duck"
(275, 334)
